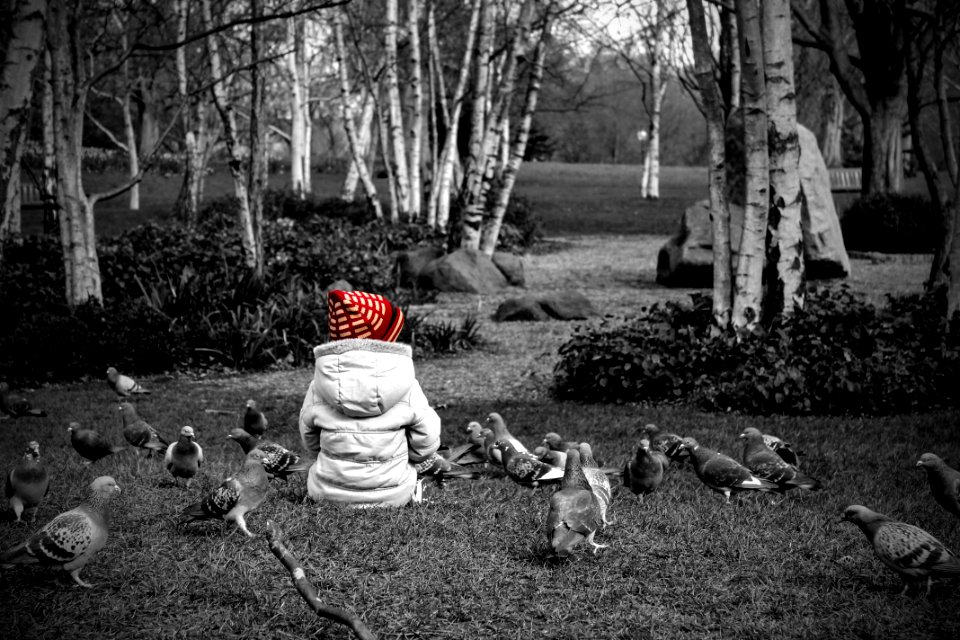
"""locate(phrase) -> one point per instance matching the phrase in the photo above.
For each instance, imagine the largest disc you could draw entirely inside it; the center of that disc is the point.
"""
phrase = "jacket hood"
(361, 377)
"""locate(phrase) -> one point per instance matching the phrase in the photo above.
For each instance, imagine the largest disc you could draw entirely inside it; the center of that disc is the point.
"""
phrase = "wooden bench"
(845, 179)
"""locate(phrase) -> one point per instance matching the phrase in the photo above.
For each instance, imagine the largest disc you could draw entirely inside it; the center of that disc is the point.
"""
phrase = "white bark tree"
(393, 111)
(298, 66)
(22, 52)
(415, 126)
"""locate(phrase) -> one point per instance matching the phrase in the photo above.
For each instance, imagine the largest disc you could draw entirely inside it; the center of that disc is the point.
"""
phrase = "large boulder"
(560, 305)
(511, 265)
(686, 259)
(464, 270)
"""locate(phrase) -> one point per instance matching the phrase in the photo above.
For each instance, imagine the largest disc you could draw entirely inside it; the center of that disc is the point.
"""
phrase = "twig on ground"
(308, 591)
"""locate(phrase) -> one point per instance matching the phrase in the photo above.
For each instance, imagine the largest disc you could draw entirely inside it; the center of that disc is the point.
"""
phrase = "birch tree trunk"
(491, 230)
(393, 112)
(346, 111)
(187, 206)
(51, 215)
(471, 206)
(77, 232)
(299, 105)
(748, 282)
(224, 107)
(731, 72)
(363, 132)
(258, 167)
(719, 211)
(650, 181)
(21, 53)
(415, 140)
(129, 131)
(785, 286)
(438, 208)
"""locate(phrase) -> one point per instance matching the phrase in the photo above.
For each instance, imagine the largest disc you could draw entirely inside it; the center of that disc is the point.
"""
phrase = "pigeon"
(254, 422)
(598, 481)
(556, 443)
(139, 433)
(944, 482)
(669, 444)
(499, 428)
(574, 514)
(722, 473)
(766, 464)
(550, 456)
(184, 457)
(90, 444)
(440, 469)
(236, 496)
(473, 431)
(27, 483)
(525, 468)
(72, 538)
(782, 449)
(16, 406)
(910, 551)
(123, 386)
(493, 454)
(278, 461)
(643, 473)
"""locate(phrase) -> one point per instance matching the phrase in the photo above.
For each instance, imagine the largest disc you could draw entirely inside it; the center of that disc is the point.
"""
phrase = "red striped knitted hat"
(357, 314)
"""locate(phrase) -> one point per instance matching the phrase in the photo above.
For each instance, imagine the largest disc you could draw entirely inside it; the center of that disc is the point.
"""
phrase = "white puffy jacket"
(367, 418)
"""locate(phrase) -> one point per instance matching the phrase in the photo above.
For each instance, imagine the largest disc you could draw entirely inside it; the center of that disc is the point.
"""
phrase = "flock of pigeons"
(577, 511)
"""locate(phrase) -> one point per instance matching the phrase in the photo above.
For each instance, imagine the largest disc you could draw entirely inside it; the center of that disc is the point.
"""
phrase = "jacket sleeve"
(309, 432)
(423, 434)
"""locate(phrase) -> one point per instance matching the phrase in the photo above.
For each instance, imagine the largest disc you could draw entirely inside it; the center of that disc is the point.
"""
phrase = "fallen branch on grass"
(308, 591)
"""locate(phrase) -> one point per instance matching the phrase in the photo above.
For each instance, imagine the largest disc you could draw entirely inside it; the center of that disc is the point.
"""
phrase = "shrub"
(522, 228)
(837, 356)
(177, 297)
(890, 223)
(443, 337)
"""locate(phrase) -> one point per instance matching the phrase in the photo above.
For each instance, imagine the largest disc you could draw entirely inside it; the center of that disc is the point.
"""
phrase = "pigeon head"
(503, 445)
(32, 450)
(251, 404)
(751, 433)
(540, 451)
(645, 445)
(127, 410)
(112, 374)
(104, 487)
(73, 427)
(861, 516)
(689, 444)
(187, 432)
(257, 455)
(552, 440)
(472, 427)
(495, 418)
(929, 460)
(247, 441)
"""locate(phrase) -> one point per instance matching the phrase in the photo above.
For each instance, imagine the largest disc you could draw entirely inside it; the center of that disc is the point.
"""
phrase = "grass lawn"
(473, 562)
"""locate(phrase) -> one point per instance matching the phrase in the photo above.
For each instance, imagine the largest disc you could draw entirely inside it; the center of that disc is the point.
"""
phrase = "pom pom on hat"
(357, 314)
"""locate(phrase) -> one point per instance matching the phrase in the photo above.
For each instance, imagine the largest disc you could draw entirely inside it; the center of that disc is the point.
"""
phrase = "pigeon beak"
(919, 463)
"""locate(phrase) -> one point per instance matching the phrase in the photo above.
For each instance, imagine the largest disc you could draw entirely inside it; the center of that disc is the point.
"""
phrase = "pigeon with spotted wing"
(574, 514)
(496, 423)
(526, 468)
(440, 469)
(722, 473)
(139, 433)
(766, 464)
(184, 457)
(124, 386)
(910, 551)
(643, 473)
(235, 497)
(90, 443)
(27, 483)
(14, 405)
(598, 481)
(72, 538)
(254, 422)
(783, 449)
(279, 462)
(944, 482)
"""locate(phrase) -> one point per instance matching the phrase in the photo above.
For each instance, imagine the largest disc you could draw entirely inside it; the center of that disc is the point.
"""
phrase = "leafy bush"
(443, 337)
(890, 223)
(177, 297)
(837, 356)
